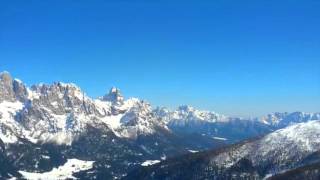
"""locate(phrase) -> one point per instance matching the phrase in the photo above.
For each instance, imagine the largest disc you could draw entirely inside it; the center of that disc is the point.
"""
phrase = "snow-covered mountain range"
(109, 130)
(60, 112)
(47, 125)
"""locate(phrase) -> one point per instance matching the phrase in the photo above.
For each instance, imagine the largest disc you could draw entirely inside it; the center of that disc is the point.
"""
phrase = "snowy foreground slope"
(62, 172)
(44, 126)
(275, 153)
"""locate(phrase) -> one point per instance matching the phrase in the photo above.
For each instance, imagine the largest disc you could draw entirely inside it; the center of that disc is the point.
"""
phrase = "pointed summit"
(11, 89)
(6, 87)
(5, 77)
(113, 96)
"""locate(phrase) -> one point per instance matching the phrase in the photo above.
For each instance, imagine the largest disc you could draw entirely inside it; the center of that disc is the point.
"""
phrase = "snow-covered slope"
(8, 125)
(284, 147)
(274, 153)
(63, 172)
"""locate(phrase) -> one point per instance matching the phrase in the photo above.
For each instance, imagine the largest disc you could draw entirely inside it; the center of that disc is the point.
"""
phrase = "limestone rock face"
(6, 87)
(114, 96)
(11, 89)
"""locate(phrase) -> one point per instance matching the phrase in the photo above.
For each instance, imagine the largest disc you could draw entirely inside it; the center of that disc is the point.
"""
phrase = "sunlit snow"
(62, 172)
(150, 162)
(7, 112)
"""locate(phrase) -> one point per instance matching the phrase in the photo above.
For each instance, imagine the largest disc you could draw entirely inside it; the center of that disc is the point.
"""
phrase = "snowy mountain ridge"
(61, 111)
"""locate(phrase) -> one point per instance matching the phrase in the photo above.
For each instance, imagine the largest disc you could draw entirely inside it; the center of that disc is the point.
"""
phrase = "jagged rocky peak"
(114, 96)
(60, 90)
(11, 89)
(56, 86)
(6, 87)
(62, 98)
(5, 77)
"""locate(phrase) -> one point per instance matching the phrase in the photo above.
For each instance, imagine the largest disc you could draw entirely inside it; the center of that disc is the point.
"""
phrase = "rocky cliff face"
(11, 89)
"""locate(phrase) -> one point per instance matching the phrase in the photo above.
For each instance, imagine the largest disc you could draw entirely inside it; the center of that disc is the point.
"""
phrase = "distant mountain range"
(56, 130)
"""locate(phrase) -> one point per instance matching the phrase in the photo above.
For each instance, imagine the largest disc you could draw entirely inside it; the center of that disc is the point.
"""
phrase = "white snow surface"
(135, 117)
(150, 162)
(193, 151)
(62, 172)
(18, 80)
(219, 138)
(7, 112)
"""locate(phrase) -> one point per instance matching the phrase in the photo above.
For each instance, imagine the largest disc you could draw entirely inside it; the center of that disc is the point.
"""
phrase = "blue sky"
(235, 57)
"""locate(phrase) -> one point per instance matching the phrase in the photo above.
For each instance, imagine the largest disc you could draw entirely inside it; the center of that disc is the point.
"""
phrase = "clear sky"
(235, 57)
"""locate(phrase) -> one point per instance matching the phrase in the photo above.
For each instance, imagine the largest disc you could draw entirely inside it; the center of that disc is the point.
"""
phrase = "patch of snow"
(54, 104)
(8, 138)
(163, 157)
(130, 103)
(267, 176)
(193, 151)
(103, 106)
(18, 80)
(7, 112)
(150, 162)
(113, 121)
(62, 172)
(60, 120)
(9, 109)
(33, 94)
(220, 138)
(58, 138)
(45, 157)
